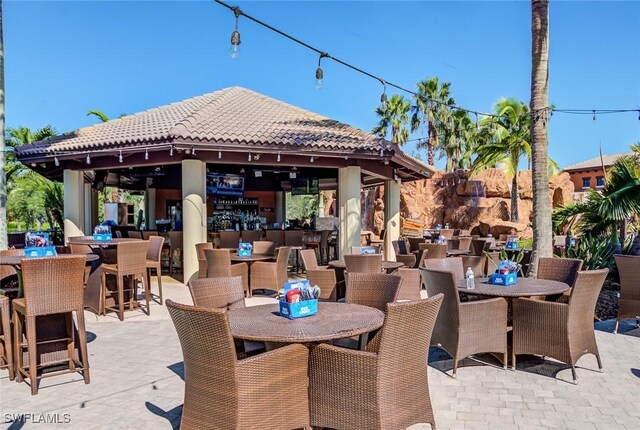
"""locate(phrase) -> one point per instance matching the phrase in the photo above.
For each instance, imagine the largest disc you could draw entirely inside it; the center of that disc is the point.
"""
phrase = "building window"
(586, 182)
(600, 181)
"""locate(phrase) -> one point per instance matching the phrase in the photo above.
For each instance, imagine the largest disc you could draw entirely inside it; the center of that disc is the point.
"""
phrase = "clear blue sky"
(64, 58)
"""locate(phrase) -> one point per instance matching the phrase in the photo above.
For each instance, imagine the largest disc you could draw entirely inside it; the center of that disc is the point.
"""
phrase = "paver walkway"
(136, 383)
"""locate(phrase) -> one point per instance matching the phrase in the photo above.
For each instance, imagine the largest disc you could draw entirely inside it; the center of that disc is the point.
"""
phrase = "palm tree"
(431, 110)
(3, 179)
(18, 136)
(460, 141)
(98, 114)
(394, 115)
(542, 235)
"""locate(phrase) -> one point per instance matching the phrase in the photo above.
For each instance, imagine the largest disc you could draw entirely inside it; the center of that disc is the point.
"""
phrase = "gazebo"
(233, 130)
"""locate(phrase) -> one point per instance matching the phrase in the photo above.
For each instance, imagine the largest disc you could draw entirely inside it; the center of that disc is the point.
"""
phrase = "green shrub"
(595, 252)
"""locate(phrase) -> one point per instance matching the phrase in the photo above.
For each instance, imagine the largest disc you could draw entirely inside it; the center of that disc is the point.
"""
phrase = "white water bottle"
(470, 282)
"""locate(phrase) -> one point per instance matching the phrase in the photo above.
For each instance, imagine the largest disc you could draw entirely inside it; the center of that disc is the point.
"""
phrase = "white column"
(349, 208)
(194, 212)
(281, 208)
(391, 216)
(88, 209)
(150, 208)
(73, 204)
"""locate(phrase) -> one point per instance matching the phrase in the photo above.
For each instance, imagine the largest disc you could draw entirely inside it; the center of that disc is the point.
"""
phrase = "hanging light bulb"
(383, 97)
(594, 115)
(88, 159)
(249, 158)
(119, 157)
(381, 152)
(146, 154)
(639, 115)
(234, 50)
(171, 151)
(320, 73)
(311, 159)
(219, 155)
(55, 161)
(278, 159)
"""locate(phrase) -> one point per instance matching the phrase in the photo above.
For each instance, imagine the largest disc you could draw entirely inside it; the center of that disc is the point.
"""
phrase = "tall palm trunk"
(542, 234)
(3, 179)
(432, 144)
(514, 198)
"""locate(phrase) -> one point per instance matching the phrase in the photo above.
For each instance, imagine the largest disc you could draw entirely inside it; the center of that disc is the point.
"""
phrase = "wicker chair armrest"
(239, 269)
(409, 260)
(529, 311)
(489, 311)
(343, 360)
(293, 355)
(325, 279)
(264, 266)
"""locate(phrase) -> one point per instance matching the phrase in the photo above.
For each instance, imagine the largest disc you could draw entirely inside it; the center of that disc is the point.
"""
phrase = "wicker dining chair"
(9, 280)
(365, 263)
(176, 240)
(6, 347)
(134, 234)
(131, 261)
(219, 265)
(154, 262)
(464, 243)
(223, 292)
(558, 269)
(52, 285)
(372, 289)
(447, 233)
(224, 392)
(402, 255)
(321, 246)
(468, 328)
(451, 264)
(271, 276)
(563, 331)
(310, 259)
(202, 260)
(411, 284)
(250, 236)
(265, 247)
(480, 246)
(229, 239)
(326, 280)
(147, 234)
(477, 263)
(368, 389)
(414, 243)
(275, 236)
(432, 251)
(293, 237)
(629, 270)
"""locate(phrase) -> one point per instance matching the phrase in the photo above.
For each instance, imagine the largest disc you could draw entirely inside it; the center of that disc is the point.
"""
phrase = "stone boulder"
(497, 227)
(495, 182)
(561, 190)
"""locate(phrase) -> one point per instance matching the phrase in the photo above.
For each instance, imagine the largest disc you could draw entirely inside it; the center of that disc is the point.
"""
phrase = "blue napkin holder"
(305, 308)
(244, 249)
(38, 245)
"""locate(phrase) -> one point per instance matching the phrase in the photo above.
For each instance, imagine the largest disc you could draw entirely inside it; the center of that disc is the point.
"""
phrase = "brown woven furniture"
(264, 247)
(293, 237)
(480, 246)
(9, 281)
(275, 236)
(372, 289)
(154, 261)
(6, 349)
(202, 260)
(326, 280)
(224, 292)
(402, 254)
(558, 330)
(525, 287)
(446, 233)
(229, 239)
(559, 269)
(134, 234)
(131, 262)
(387, 266)
(433, 250)
(355, 250)
(453, 265)
(250, 236)
(629, 270)
(370, 389)
(464, 243)
(322, 246)
(365, 263)
(411, 284)
(464, 329)
(493, 258)
(175, 238)
(146, 235)
(309, 259)
(334, 321)
(51, 286)
(477, 263)
(414, 243)
(222, 392)
(271, 276)
(219, 265)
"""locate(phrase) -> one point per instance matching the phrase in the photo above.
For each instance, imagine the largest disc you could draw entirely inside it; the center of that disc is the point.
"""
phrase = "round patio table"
(16, 260)
(92, 242)
(389, 266)
(525, 287)
(457, 252)
(333, 321)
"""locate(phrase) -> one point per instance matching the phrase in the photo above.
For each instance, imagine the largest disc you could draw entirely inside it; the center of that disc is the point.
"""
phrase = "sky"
(121, 57)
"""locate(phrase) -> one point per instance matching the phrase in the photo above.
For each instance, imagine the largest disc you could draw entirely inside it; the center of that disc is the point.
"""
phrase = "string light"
(120, 157)
(311, 159)
(234, 50)
(594, 115)
(88, 159)
(219, 155)
(193, 150)
(249, 158)
(320, 73)
(55, 161)
(278, 159)
(383, 97)
(146, 154)
(171, 151)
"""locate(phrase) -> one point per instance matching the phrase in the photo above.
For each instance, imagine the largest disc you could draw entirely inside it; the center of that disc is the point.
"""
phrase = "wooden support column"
(73, 204)
(349, 208)
(194, 212)
(391, 216)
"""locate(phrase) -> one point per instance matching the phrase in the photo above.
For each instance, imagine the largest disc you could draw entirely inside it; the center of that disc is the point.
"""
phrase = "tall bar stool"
(6, 351)
(51, 286)
(131, 262)
(154, 261)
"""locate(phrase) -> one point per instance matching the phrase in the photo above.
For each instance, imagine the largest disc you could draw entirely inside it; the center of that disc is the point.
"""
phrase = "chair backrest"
(309, 259)
(584, 295)
(79, 249)
(229, 239)
(282, 259)
(209, 357)
(503, 237)
(6, 270)
(453, 244)
(134, 234)
(400, 247)
(264, 247)
(293, 237)
(480, 246)
(464, 232)
(118, 234)
(493, 258)
(447, 233)
(478, 264)
(434, 250)
(414, 243)
(452, 264)
(275, 236)
(372, 289)
(176, 240)
(53, 285)
(411, 284)
(224, 292)
(201, 247)
(155, 248)
(464, 243)
(559, 269)
(218, 262)
(363, 263)
(443, 282)
(132, 257)
(146, 235)
(250, 236)
(629, 270)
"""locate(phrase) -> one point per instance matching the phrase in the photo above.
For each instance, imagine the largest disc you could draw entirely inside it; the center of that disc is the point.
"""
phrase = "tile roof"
(234, 116)
(596, 163)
